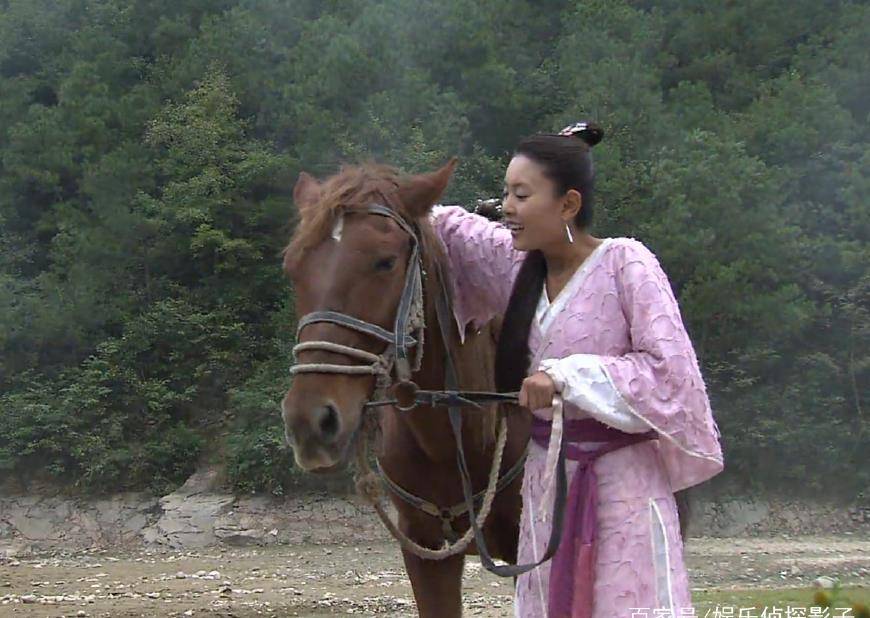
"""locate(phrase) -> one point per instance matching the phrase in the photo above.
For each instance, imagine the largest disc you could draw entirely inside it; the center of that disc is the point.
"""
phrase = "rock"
(824, 582)
(738, 516)
(205, 480)
(28, 598)
(50, 520)
(188, 515)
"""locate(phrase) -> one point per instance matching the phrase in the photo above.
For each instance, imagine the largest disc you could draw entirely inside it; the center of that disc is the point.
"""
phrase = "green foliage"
(148, 152)
(257, 457)
(128, 415)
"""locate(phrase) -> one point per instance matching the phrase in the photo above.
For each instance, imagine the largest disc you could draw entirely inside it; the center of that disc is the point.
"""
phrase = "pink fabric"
(659, 376)
(571, 592)
(481, 292)
(625, 313)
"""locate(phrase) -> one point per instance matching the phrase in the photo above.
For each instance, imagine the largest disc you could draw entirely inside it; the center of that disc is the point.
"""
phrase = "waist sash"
(572, 571)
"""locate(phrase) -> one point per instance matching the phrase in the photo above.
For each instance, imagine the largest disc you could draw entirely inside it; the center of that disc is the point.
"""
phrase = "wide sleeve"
(482, 263)
(657, 384)
(660, 379)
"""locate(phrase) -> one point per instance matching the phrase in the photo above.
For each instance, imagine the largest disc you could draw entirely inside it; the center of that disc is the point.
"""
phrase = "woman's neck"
(565, 258)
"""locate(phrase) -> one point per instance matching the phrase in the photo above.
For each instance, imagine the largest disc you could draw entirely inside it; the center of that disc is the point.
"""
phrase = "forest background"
(148, 152)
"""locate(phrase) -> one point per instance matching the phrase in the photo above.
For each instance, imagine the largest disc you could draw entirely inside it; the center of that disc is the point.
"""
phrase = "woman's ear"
(419, 193)
(572, 204)
(306, 193)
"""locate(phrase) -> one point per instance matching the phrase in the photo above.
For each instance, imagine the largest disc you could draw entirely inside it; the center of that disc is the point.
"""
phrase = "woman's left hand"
(537, 391)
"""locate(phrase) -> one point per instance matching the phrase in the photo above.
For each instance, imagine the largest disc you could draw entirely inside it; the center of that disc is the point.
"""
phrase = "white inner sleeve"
(583, 382)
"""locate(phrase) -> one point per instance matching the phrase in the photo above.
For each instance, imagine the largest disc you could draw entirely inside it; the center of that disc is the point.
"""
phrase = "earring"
(570, 236)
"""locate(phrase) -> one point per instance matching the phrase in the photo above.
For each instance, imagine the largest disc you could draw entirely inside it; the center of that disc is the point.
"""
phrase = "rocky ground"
(196, 552)
(365, 578)
(198, 515)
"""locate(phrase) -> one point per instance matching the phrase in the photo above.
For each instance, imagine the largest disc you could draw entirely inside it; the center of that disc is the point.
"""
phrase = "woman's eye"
(522, 197)
(385, 264)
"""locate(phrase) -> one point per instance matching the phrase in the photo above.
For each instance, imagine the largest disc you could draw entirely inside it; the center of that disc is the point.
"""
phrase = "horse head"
(355, 264)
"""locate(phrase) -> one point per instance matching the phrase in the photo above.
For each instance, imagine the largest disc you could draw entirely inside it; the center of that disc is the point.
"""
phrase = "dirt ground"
(365, 579)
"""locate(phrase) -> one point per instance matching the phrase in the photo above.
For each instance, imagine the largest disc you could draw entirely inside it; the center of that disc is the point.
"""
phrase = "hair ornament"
(589, 132)
(574, 129)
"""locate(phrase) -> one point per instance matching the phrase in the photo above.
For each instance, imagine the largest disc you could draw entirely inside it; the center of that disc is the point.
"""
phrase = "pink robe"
(615, 345)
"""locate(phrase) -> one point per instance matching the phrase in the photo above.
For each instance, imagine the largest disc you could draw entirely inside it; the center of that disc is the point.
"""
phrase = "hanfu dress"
(614, 343)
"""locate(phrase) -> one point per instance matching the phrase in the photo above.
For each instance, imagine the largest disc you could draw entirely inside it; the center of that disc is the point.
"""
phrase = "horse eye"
(385, 264)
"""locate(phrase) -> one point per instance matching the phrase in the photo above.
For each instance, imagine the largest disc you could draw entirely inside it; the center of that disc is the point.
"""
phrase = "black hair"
(566, 159)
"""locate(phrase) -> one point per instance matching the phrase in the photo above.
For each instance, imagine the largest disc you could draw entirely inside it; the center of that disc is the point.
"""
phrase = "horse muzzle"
(318, 434)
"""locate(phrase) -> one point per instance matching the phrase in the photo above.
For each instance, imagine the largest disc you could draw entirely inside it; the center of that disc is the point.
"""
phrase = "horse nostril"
(328, 422)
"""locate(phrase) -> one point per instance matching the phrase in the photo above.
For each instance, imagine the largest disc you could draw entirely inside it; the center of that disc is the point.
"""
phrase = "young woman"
(593, 340)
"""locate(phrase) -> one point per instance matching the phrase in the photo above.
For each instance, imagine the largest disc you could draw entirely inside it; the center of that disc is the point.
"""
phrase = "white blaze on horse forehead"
(338, 228)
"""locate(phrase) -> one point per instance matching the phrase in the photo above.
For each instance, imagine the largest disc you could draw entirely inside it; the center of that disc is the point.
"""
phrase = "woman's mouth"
(514, 227)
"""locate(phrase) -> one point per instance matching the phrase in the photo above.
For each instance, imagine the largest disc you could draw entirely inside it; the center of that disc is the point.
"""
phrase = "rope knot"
(369, 486)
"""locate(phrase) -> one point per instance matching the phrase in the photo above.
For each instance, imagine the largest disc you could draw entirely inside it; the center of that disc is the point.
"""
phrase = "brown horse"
(346, 260)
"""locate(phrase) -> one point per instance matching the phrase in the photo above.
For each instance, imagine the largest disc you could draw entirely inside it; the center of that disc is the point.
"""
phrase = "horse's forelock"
(353, 187)
(356, 187)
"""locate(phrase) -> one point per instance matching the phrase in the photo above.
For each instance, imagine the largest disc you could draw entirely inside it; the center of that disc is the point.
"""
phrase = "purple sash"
(572, 572)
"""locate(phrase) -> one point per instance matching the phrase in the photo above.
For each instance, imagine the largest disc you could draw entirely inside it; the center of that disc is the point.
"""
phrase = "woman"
(593, 322)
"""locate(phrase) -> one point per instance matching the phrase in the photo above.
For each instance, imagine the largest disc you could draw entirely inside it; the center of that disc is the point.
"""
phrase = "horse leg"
(437, 585)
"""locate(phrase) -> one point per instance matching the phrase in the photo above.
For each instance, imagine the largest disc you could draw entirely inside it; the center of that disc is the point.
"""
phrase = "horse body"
(359, 270)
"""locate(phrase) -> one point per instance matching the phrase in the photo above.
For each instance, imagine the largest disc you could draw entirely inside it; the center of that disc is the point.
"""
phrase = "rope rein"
(408, 331)
(369, 486)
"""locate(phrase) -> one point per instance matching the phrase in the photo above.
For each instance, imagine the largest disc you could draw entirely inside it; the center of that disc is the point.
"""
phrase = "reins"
(408, 332)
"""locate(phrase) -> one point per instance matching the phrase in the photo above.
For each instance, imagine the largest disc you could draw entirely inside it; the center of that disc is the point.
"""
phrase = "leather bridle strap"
(350, 322)
(408, 317)
(455, 415)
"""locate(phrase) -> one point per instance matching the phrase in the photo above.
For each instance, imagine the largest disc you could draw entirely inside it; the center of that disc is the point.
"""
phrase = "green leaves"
(148, 152)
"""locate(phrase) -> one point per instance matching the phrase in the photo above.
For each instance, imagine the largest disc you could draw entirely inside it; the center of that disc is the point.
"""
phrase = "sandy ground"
(365, 579)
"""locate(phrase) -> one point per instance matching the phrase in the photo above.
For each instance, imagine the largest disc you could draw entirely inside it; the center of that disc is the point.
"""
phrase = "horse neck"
(430, 427)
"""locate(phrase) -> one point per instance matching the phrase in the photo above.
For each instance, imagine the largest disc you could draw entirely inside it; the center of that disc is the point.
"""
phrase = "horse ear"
(306, 193)
(419, 193)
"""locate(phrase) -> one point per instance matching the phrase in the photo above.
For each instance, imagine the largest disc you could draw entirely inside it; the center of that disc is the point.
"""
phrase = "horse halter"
(407, 331)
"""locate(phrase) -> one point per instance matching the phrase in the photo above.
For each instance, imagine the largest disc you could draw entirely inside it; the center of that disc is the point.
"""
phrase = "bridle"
(408, 329)
(408, 332)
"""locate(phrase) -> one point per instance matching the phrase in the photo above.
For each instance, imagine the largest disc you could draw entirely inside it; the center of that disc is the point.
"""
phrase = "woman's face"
(532, 206)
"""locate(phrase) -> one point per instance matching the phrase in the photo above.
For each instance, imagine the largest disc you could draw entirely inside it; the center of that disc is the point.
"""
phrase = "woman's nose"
(507, 206)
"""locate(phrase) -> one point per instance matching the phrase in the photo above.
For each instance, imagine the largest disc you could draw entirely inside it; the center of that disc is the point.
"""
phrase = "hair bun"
(589, 132)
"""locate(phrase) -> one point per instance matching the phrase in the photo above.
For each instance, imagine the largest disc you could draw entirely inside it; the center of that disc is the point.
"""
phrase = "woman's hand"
(537, 391)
